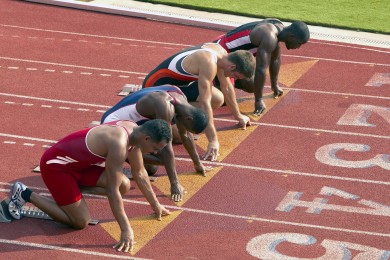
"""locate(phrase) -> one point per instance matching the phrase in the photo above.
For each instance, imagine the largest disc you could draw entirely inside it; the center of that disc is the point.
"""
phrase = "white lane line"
(286, 55)
(82, 109)
(28, 138)
(337, 93)
(93, 35)
(270, 170)
(349, 46)
(301, 128)
(334, 60)
(164, 43)
(278, 171)
(54, 100)
(66, 249)
(217, 119)
(72, 66)
(47, 106)
(214, 213)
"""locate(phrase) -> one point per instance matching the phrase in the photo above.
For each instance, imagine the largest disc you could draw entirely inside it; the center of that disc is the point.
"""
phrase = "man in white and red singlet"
(75, 164)
(169, 103)
(262, 39)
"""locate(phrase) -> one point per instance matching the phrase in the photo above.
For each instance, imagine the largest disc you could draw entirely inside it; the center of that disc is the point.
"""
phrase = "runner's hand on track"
(212, 151)
(200, 168)
(160, 211)
(177, 192)
(259, 107)
(277, 91)
(244, 121)
(126, 243)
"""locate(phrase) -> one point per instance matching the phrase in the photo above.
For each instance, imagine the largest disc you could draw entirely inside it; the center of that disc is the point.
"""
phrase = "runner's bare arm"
(274, 68)
(168, 158)
(207, 73)
(230, 99)
(189, 145)
(262, 62)
(164, 110)
(116, 155)
(141, 178)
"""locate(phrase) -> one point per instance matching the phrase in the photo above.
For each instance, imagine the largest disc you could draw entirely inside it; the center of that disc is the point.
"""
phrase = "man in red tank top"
(75, 164)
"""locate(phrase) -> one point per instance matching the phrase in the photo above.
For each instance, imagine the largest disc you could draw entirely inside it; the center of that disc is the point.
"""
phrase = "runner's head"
(156, 135)
(242, 65)
(297, 34)
(194, 119)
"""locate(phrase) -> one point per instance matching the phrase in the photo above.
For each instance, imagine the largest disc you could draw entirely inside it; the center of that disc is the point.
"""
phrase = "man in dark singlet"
(262, 39)
(170, 104)
(75, 164)
(193, 71)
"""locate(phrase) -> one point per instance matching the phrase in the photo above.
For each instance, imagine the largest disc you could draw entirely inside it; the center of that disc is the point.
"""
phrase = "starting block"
(5, 217)
(28, 212)
(128, 89)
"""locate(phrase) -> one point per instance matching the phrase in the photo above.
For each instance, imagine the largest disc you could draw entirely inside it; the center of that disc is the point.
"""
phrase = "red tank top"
(73, 151)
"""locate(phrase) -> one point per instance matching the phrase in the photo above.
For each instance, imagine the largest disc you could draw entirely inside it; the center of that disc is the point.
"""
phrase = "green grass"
(363, 15)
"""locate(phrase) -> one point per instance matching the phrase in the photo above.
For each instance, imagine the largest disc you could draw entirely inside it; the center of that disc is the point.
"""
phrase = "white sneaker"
(16, 203)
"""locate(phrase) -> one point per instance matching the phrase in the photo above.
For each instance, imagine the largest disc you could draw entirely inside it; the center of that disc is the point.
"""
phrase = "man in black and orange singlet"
(262, 39)
(194, 69)
(91, 160)
(170, 104)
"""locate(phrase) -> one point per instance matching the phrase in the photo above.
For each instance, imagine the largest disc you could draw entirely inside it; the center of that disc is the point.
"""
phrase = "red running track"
(309, 179)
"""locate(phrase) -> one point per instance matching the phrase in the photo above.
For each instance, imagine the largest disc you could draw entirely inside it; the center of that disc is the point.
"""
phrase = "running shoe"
(16, 203)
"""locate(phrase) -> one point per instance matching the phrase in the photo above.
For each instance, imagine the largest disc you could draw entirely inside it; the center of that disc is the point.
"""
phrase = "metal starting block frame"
(28, 212)
(5, 217)
(128, 89)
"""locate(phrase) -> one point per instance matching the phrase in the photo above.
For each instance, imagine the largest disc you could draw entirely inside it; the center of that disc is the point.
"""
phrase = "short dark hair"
(157, 129)
(244, 61)
(199, 118)
(300, 30)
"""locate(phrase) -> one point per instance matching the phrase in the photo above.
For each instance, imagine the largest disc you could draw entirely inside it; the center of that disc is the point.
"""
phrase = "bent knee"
(217, 99)
(80, 223)
(217, 103)
(125, 185)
